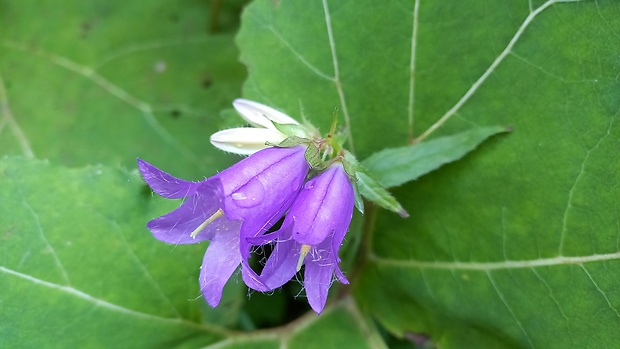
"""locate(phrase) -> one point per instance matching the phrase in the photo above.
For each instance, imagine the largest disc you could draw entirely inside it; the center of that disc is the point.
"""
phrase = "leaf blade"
(395, 166)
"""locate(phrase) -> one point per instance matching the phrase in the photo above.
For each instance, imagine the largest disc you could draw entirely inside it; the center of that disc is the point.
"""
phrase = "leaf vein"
(111, 306)
(337, 81)
(366, 325)
(92, 75)
(51, 249)
(599, 290)
(414, 40)
(145, 271)
(474, 87)
(514, 316)
(500, 265)
(146, 46)
(427, 286)
(8, 119)
(577, 179)
(557, 304)
(301, 57)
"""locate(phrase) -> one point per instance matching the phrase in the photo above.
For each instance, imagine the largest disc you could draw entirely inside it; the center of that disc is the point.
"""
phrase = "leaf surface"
(515, 245)
(80, 269)
(117, 81)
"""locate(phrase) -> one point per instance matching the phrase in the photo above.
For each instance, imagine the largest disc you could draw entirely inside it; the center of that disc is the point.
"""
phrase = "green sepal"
(313, 156)
(359, 201)
(291, 130)
(367, 186)
(290, 142)
(373, 191)
(350, 165)
(349, 168)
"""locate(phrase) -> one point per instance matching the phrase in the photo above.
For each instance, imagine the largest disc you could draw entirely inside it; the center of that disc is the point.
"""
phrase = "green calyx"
(322, 152)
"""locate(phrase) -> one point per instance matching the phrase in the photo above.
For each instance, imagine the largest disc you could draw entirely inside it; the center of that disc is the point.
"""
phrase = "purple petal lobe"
(317, 280)
(283, 265)
(164, 184)
(280, 267)
(265, 239)
(251, 279)
(220, 262)
(180, 226)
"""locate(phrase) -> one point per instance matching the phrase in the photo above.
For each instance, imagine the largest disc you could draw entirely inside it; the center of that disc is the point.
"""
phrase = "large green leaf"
(99, 81)
(514, 246)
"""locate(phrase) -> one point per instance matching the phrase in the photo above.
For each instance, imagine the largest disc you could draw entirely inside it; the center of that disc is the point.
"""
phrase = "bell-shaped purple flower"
(311, 235)
(241, 202)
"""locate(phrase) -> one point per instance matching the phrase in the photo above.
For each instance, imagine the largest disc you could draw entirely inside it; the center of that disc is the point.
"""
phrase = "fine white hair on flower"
(248, 140)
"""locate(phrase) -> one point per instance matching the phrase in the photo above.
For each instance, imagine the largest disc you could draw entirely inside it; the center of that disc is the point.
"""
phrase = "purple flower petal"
(318, 276)
(322, 210)
(258, 187)
(251, 279)
(281, 266)
(282, 170)
(220, 262)
(177, 226)
(265, 239)
(165, 184)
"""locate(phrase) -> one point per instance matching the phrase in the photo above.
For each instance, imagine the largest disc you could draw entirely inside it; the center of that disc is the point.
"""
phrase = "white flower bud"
(246, 140)
(260, 115)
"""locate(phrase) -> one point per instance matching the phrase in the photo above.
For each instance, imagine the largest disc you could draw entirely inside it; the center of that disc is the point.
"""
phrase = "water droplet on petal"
(249, 195)
(309, 185)
(238, 196)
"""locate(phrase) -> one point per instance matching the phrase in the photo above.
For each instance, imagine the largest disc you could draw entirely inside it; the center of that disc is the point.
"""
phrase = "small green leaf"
(366, 185)
(373, 191)
(395, 166)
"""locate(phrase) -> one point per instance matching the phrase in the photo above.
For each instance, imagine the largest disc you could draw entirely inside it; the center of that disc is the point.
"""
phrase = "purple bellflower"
(310, 235)
(237, 204)
(236, 208)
